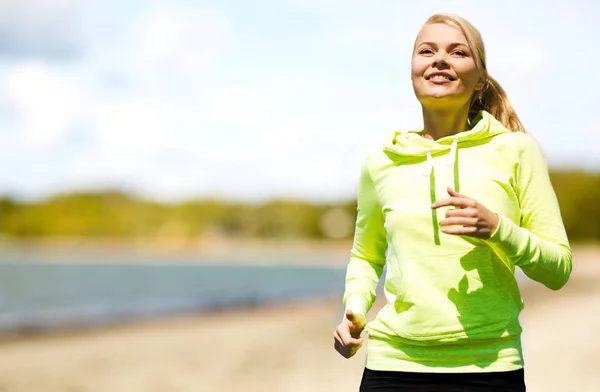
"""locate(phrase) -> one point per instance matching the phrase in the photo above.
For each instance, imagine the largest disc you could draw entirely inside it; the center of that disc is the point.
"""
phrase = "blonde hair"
(492, 96)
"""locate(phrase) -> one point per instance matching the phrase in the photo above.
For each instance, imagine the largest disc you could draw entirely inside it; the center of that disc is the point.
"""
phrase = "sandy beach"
(287, 348)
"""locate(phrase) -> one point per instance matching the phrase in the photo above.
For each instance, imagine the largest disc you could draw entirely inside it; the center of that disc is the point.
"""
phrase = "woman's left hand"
(471, 218)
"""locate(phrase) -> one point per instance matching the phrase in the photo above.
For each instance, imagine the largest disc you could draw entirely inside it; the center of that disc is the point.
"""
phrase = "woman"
(452, 209)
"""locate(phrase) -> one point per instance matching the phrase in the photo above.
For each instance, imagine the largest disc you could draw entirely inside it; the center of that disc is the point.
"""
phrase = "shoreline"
(217, 251)
(159, 321)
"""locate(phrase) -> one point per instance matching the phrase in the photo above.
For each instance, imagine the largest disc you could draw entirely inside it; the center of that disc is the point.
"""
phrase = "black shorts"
(390, 381)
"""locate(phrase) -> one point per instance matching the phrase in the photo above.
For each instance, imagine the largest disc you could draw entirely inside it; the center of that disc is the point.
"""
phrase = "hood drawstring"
(429, 169)
(451, 161)
(452, 155)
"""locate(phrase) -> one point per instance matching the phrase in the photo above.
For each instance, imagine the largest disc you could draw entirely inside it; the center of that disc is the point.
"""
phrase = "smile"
(440, 77)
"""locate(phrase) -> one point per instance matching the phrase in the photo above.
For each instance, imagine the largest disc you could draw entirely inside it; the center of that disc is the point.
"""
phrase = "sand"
(287, 348)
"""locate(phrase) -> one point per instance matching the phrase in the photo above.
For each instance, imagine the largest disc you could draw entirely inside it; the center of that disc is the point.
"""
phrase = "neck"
(439, 123)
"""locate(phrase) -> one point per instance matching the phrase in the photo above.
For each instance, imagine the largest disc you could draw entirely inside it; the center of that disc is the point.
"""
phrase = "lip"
(441, 81)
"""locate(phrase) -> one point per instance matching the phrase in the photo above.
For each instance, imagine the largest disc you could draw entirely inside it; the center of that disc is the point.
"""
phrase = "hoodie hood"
(404, 145)
(411, 147)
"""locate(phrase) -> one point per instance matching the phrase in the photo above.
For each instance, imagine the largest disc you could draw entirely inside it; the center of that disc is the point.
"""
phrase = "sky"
(259, 100)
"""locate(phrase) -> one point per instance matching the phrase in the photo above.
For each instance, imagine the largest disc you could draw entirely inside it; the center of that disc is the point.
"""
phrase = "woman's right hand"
(346, 337)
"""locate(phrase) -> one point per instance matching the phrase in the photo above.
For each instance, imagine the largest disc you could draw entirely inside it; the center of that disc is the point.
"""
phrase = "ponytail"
(493, 99)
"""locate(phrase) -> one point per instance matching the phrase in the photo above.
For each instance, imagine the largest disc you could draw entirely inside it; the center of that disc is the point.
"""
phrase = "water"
(37, 292)
(36, 296)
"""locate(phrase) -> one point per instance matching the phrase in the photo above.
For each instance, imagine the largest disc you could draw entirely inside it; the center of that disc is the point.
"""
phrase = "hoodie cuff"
(507, 239)
(357, 304)
(503, 230)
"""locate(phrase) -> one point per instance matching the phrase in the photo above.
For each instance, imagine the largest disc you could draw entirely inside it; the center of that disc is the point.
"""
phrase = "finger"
(339, 348)
(459, 221)
(459, 230)
(346, 338)
(353, 346)
(454, 201)
(466, 212)
(337, 337)
(343, 351)
(453, 193)
(353, 342)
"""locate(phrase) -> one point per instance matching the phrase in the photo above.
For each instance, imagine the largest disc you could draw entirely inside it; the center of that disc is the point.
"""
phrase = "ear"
(479, 86)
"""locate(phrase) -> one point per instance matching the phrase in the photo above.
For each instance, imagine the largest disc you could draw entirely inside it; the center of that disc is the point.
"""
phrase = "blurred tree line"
(116, 214)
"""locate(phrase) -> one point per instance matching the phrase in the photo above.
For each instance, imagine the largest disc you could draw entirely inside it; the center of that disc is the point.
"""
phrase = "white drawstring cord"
(429, 164)
(452, 157)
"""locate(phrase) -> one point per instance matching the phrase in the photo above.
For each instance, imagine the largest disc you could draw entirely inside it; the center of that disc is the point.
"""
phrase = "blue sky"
(260, 99)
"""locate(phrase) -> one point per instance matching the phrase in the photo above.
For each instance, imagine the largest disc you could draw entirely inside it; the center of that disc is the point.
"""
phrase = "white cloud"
(131, 125)
(45, 102)
(181, 41)
(242, 110)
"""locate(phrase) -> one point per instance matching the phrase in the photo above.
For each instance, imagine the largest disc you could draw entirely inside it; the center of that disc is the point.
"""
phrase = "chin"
(441, 101)
(437, 97)
(441, 92)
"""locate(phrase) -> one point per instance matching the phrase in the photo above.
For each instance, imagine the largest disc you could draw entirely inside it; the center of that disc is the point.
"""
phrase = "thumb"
(357, 320)
(350, 316)
(358, 323)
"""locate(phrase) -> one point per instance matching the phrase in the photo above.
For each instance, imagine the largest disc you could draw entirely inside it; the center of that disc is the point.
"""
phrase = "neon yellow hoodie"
(452, 302)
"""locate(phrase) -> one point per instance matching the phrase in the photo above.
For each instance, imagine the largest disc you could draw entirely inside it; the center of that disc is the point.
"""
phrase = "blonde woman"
(452, 210)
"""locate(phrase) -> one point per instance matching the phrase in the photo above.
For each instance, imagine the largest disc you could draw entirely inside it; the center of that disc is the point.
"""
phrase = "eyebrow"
(453, 44)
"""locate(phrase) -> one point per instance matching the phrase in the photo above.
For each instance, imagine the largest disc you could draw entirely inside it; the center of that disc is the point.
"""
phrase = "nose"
(440, 59)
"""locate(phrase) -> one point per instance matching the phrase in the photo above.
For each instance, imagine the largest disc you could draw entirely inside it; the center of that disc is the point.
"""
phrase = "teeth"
(440, 77)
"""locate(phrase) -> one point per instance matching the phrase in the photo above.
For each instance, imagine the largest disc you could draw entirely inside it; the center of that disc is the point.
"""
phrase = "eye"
(426, 52)
(460, 53)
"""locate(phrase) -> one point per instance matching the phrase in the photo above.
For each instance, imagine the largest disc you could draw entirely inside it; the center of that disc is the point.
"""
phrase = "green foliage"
(116, 214)
(578, 193)
(82, 214)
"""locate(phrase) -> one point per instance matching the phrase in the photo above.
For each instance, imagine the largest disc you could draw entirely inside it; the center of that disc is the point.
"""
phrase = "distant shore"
(208, 250)
(222, 250)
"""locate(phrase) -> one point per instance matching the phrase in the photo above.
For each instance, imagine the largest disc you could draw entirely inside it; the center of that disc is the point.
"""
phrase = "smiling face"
(444, 71)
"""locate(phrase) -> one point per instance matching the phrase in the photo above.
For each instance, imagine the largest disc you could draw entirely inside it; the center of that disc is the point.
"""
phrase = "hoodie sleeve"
(539, 245)
(367, 257)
